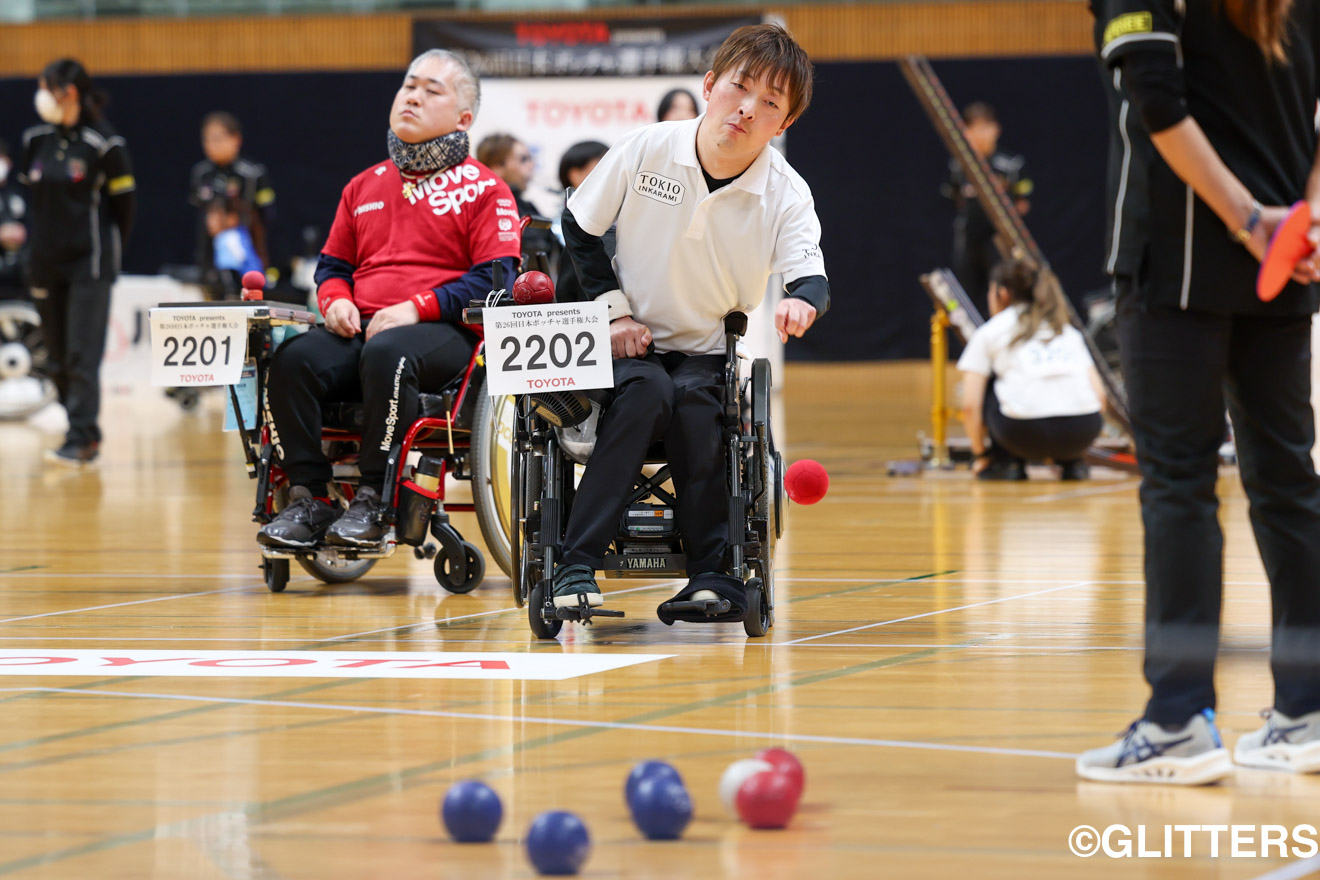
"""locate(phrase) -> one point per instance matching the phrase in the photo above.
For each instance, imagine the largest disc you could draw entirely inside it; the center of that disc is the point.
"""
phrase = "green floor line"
(849, 590)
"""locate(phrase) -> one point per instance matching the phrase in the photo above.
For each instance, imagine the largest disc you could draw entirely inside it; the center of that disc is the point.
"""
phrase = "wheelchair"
(648, 545)
(457, 433)
(25, 383)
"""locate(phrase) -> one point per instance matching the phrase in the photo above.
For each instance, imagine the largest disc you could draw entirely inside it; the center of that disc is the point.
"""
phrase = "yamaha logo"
(646, 563)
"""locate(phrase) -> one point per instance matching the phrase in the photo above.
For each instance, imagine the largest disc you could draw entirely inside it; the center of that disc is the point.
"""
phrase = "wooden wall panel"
(383, 42)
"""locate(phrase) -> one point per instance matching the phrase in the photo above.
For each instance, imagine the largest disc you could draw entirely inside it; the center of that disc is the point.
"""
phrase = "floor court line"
(1083, 493)
(939, 611)
(569, 722)
(247, 586)
(372, 632)
(1294, 870)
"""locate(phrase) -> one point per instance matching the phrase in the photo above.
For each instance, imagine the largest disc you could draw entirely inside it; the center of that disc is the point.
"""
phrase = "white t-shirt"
(687, 257)
(1043, 377)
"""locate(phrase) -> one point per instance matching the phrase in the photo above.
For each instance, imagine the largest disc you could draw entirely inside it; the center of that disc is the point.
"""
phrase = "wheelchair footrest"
(707, 607)
(582, 612)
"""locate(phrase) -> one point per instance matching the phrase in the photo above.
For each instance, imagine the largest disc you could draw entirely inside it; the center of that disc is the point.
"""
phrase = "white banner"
(552, 347)
(197, 346)
(322, 664)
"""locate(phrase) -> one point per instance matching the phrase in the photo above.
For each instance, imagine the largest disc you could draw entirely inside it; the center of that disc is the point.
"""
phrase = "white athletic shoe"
(1288, 744)
(1191, 755)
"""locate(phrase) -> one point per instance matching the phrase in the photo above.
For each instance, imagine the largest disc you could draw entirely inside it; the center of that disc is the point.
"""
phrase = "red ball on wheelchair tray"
(254, 283)
(806, 481)
(533, 289)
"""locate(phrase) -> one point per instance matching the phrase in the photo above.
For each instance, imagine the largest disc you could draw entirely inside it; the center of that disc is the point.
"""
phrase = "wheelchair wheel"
(328, 568)
(541, 628)
(757, 622)
(492, 472)
(474, 570)
(24, 386)
(277, 574)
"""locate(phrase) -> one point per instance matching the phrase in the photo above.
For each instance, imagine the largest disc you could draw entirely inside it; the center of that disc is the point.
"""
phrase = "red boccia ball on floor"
(787, 763)
(767, 799)
(806, 481)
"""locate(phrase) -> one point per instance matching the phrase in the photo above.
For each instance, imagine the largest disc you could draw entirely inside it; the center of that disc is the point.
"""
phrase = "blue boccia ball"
(646, 770)
(558, 843)
(471, 811)
(661, 808)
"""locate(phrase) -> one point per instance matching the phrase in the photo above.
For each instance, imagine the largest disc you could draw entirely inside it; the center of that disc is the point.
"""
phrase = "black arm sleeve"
(120, 188)
(1156, 87)
(594, 270)
(815, 289)
(123, 210)
(328, 267)
(475, 283)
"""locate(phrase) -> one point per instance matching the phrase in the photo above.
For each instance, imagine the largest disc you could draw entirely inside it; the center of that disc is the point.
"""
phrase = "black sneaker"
(362, 522)
(73, 454)
(1074, 470)
(301, 524)
(1004, 469)
(572, 580)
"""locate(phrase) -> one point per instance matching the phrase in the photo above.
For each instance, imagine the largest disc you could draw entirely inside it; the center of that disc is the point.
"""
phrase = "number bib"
(197, 346)
(553, 347)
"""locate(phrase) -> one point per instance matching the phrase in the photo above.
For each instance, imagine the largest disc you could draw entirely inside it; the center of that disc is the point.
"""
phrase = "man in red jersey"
(414, 239)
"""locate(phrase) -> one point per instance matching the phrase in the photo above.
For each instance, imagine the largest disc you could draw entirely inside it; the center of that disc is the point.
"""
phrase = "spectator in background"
(231, 242)
(974, 252)
(13, 232)
(225, 173)
(512, 162)
(574, 166)
(83, 197)
(677, 105)
(1029, 384)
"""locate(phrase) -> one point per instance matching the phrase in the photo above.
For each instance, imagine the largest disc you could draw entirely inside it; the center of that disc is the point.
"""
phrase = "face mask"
(433, 155)
(47, 107)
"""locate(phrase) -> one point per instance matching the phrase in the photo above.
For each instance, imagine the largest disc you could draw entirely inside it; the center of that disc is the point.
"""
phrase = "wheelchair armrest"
(735, 323)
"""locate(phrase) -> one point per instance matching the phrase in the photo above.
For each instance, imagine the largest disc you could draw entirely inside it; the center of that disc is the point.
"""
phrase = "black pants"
(972, 262)
(1181, 369)
(74, 318)
(385, 374)
(670, 397)
(1061, 439)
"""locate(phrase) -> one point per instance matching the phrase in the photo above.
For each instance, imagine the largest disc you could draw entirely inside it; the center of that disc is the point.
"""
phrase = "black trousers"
(677, 399)
(74, 318)
(972, 262)
(1062, 439)
(385, 374)
(1181, 369)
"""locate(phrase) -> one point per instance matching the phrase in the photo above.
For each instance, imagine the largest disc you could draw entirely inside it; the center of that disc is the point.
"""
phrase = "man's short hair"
(228, 121)
(979, 111)
(465, 82)
(494, 149)
(579, 156)
(768, 49)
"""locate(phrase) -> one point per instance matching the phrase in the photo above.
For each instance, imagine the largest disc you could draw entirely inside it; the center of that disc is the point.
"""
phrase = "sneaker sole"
(1282, 757)
(272, 541)
(1202, 769)
(68, 462)
(594, 600)
(341, 541)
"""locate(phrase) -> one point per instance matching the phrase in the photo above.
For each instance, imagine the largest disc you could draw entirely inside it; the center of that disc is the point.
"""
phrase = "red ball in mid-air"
(787, 763)
(533, 288)
(806, 481)
(254, 283)
(767, 800)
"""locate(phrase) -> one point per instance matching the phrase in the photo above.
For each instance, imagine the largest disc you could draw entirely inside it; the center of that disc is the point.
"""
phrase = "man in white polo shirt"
(706, 212)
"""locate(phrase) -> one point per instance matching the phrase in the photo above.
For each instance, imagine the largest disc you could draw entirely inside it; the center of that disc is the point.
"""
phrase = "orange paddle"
(1288, 246)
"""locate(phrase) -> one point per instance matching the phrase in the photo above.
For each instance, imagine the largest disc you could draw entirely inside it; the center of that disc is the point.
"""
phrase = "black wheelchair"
(648, 544)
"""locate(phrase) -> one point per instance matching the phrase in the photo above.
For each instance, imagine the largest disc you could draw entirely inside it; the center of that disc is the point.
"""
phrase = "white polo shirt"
(1046, 376)
(687, 257)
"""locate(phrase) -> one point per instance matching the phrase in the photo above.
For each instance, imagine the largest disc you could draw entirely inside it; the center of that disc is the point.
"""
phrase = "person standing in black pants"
(1228, 93)
(82, 200)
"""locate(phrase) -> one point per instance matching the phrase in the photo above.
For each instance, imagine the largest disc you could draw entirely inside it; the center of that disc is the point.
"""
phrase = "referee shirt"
(686, 256)
(1260, 118)
(81, 198)
(245, 180)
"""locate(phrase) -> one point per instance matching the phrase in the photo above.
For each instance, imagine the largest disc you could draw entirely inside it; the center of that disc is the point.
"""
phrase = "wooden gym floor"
(943, 649)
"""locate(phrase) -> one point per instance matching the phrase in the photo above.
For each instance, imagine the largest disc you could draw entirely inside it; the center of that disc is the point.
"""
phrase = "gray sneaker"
(1191, 755)
(1288, 744)
(572, 580)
